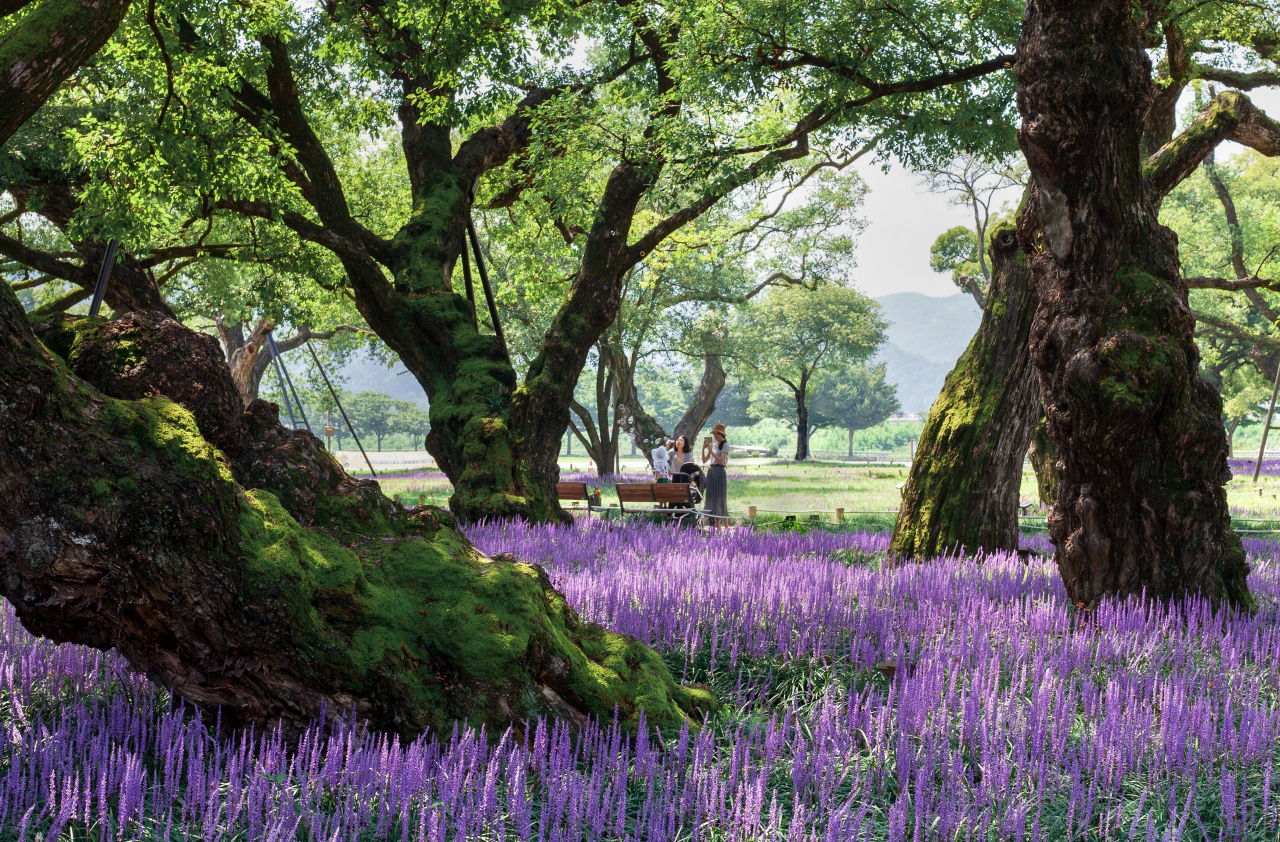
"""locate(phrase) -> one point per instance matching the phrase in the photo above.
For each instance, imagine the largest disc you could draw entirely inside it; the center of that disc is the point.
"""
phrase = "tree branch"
(1241, 333)
(659, 232)
(1229, 116)
(1200, 282)
(330, 202)
(44, 262)
(1237, 79)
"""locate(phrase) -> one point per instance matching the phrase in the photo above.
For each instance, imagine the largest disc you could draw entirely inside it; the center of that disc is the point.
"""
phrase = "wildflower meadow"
(963, 698)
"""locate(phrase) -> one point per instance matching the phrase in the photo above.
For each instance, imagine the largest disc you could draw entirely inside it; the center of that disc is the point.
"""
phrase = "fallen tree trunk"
(962, 493)
(234, 561)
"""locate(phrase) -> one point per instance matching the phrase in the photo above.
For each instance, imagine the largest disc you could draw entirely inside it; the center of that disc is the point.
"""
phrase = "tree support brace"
(484, 283)
(334, 394)
(283, 373)
(105, 272)
(1266, 428)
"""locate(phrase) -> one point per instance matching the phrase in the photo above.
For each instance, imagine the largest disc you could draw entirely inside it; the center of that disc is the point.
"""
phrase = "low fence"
(865, 456)
(387, 460)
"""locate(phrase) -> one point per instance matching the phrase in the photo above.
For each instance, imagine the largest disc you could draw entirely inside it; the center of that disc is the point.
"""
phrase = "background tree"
(853, 397)
(412, 422)
(976, 183)
(374, 413)
(792, 333)
(682, 108)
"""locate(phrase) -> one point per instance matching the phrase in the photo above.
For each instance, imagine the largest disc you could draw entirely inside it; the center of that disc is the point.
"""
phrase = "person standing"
(716, 451)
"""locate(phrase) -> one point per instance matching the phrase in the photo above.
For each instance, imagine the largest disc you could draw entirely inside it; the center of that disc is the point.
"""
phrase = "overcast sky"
(903, 220)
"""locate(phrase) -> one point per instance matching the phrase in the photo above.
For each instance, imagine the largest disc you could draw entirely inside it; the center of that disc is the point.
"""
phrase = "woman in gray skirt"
(717, 493)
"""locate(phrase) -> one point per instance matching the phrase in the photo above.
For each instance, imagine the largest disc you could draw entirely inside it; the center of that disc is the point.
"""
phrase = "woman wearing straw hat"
(717, 452)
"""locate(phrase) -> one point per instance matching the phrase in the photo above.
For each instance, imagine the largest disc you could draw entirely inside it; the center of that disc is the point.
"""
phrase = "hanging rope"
(103, 273)
(334, 394)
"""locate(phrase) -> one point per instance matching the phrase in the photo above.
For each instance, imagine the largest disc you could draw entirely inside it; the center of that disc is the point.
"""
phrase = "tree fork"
(234, 561)
(1141, 448)
(962, 492)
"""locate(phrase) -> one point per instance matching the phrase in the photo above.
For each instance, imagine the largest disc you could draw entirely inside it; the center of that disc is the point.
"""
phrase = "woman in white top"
(716, 451)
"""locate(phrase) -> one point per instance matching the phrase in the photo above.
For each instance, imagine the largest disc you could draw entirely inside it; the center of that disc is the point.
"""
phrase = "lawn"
(779, 488)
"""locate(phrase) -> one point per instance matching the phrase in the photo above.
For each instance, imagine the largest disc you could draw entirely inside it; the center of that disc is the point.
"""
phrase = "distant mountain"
(926, 337)
(363, 373)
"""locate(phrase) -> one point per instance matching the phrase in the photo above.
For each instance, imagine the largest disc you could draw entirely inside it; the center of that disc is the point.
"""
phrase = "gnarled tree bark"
(962, 493)
(1141, 448)
(234, 561)
(46, 47)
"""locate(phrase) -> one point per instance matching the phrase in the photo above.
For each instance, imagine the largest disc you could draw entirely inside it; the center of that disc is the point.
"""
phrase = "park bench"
(664, 498)
(574, 491)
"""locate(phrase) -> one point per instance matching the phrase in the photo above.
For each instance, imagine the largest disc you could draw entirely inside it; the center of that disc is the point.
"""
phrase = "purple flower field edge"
(1006, 716)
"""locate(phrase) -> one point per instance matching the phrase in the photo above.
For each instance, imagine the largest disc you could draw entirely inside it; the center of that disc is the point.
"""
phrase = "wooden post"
(839, 515)
(422, 499)
(751, 511)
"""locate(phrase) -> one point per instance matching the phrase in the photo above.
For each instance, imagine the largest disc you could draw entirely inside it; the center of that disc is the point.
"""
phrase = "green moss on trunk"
(962, 493)
(126, 528)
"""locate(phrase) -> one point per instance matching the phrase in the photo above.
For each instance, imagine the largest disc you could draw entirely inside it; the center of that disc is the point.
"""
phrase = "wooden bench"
(574, 491)
(664, 498)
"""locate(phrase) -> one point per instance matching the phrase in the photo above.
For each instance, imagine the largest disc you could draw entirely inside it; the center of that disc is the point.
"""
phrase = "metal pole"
(103, 273)
(488, 291)
(340, 409)
(289, 380)
(1257, 468)
(471, 291)
(284, 393)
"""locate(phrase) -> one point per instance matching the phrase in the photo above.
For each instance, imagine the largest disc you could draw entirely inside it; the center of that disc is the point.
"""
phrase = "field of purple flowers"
(961, 699)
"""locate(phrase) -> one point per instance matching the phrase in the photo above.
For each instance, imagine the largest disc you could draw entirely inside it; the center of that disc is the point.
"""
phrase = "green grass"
(781, 488)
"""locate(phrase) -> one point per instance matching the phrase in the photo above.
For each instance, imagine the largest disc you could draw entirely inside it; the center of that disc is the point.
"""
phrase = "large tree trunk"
(1142, 451)
(235, 562)
(47, 47)
(962, 492)
(703, 403)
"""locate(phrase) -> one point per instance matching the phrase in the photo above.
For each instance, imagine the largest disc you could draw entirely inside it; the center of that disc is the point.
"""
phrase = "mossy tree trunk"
(53, 40)
(1141, 501)
(235, 562)
(496, 438)
(962, 492)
